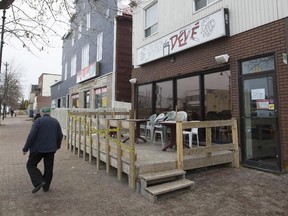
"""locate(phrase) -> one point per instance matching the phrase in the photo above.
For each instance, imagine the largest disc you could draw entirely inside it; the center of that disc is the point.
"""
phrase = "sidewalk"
(79, 189)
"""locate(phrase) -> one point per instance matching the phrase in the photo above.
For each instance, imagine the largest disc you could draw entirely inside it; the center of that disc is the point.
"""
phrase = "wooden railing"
(207, 148)
(99, 135)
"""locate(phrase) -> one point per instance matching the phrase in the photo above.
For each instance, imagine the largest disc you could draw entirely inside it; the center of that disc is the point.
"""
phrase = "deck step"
(169, 186)
(152, 185)
(164, 174)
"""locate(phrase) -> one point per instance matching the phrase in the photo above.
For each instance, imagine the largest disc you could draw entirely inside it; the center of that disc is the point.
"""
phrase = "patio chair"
(160, 129)
(193, 131)
(181, 116)
(150, 127)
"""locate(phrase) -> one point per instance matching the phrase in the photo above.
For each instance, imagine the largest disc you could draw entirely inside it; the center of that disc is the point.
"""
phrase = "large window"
(145, 101)
(87, 99)
(99, 46)
(199, 4)
(63, 102)
(188, 97)
(80, 30)
(101, 97)
(72, 38)
(151, 20)
(88, 21)
(75, 101)
(65, 71)
(73, 65)
(217, 95)
(164, 96)
(85, 57)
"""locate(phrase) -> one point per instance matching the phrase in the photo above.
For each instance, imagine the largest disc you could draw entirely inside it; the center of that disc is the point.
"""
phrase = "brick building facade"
(257, 97)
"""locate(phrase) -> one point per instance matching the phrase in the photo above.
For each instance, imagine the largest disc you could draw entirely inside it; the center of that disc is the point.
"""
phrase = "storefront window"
(101, 97)
(258, 65)
(75, 101)
(87, 99)
(188, 97)
(63, 101)
(145, 101)
(217, 96)
(164, 96)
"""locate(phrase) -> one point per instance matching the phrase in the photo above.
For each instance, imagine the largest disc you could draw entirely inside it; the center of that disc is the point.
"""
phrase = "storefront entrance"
(259, 114)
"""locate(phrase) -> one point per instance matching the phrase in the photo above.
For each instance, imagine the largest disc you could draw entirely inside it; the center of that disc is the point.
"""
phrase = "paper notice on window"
(262, 104)
(257, 94)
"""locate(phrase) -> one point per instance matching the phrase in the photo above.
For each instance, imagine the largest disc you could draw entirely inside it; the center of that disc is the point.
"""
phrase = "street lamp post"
(4, 4)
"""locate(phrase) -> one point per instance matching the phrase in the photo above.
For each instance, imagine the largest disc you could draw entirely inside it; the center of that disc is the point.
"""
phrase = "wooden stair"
(152, 185)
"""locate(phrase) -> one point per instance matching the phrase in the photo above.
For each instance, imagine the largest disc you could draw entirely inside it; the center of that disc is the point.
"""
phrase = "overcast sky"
(48, 61)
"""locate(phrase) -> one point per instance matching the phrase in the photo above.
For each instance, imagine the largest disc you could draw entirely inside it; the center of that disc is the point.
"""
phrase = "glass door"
(260, 121)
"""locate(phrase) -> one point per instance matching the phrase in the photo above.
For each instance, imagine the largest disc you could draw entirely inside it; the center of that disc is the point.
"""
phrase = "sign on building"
(214, 26)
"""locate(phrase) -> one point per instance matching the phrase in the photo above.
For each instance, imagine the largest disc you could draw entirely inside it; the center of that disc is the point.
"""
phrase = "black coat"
(45, 135)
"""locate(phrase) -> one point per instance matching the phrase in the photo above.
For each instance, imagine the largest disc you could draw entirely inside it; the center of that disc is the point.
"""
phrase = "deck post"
(98, 143)
(235, 162)
(79, 135)
(208, 139)
(90, 139)
(119, 151)
(132, 174)
(85, 138)
(74, 134)
(179, 143)
(107, 146)
(68, 130)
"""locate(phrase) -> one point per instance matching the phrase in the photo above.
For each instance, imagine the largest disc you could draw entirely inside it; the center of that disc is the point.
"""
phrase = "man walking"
(43, 141)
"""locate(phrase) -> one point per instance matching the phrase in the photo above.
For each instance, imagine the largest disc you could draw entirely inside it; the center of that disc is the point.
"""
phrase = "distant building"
(40, 95)
(96, 58)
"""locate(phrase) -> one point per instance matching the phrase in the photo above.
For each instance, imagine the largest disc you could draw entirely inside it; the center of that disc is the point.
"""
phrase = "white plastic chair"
(160, 129)
(193, 131)
(148, 124)
(152, 124)
(181, 116)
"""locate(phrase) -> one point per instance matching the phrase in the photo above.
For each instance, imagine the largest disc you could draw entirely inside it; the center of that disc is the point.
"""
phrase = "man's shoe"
(45, 189)
(37, 188)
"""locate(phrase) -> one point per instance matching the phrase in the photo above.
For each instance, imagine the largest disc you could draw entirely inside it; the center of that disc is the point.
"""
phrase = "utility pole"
(5, 90)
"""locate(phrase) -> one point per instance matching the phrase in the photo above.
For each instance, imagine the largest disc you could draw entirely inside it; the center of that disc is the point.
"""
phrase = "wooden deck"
(151, 158)
(104, 139)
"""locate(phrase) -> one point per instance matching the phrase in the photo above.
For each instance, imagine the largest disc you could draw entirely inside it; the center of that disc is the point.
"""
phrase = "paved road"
(79, 189)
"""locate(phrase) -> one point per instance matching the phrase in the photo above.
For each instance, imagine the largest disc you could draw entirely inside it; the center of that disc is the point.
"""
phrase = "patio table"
(172, 126)
(137, 130)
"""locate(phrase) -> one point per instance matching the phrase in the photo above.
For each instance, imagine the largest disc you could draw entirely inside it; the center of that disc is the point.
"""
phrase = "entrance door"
(260, 120)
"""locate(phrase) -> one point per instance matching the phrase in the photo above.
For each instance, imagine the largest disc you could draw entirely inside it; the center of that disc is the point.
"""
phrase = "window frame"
(88, 21)
(100, 97)
(154, 24)
(73, 66)
(72, 38)
(207, 4)
(99, 47)
(85, 57)
(65, 71)
(80, 29)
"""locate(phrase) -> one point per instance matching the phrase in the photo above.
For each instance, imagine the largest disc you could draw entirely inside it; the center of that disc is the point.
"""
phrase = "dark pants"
(35, 174)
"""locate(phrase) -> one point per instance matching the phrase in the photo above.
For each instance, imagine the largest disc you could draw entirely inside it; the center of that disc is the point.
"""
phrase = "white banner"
(206, 29)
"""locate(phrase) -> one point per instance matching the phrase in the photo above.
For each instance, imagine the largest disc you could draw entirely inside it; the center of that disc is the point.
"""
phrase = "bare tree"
(35, 22)
(11, 94)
